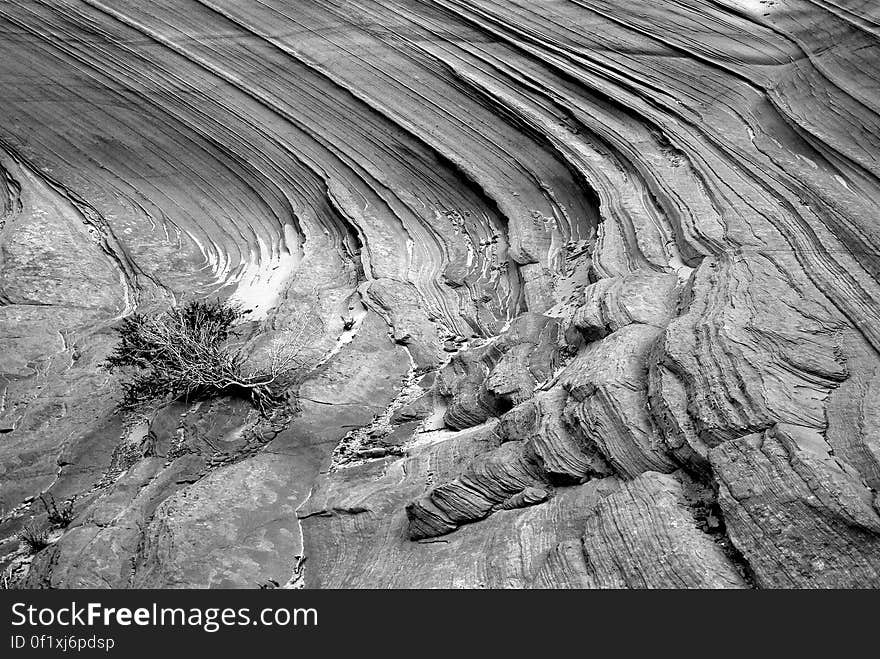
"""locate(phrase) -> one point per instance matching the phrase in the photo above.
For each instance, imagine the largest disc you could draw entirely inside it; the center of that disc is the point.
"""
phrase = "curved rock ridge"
(487, 379)
(596, 288)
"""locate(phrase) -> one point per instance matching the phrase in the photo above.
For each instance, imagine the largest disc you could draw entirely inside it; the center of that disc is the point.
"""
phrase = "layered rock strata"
(595, 287)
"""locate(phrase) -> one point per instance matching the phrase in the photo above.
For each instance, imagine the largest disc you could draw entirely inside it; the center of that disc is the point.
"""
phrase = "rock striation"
(594, 287)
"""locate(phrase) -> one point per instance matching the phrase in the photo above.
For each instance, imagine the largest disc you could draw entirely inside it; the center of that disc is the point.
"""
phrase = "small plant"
(59, 516)
(185, 353)
(34, 538)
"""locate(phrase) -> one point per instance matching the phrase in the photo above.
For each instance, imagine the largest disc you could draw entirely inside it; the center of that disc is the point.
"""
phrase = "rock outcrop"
(594, 289)
(801, 518)
(642, 536)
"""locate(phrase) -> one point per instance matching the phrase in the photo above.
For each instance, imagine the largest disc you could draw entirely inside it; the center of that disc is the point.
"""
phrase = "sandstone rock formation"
(596, 286)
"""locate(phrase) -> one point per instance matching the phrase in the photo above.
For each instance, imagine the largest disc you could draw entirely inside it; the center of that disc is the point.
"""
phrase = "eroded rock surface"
(593, 289)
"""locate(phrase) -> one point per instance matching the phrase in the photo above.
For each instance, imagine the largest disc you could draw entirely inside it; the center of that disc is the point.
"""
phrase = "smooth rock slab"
(181, 543)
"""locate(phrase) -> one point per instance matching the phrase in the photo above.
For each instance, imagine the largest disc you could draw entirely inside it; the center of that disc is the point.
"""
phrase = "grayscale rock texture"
(598, 288)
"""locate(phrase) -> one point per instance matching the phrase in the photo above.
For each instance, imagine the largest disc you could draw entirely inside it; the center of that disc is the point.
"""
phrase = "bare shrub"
(34, 538)
(59, 516)
(185, 353)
